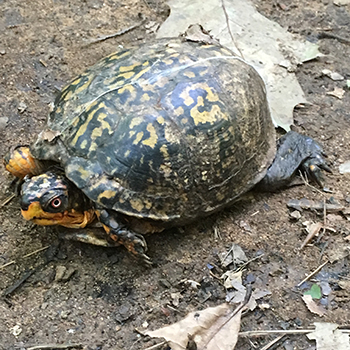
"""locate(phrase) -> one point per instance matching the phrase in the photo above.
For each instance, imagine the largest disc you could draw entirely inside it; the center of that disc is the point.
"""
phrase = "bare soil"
(104, 295)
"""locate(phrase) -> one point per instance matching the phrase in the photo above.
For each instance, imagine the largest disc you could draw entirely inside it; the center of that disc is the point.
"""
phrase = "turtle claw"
(313, 167)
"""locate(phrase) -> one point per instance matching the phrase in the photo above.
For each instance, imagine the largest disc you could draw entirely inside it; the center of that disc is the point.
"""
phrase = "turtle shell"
(168, 131)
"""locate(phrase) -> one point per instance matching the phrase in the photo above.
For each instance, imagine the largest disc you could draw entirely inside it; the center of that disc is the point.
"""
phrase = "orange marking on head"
(71, 219)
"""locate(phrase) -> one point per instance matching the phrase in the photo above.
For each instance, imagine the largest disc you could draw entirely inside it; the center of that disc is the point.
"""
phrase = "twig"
(324, 35)
(25, 256)
(273, 342)
(55, 346)
(7, 200)
(156, 346)
(18, 283)
(229, 29)
(249, 261)
(282, 331)
(307, 184)
(121, 32)
(312, 273)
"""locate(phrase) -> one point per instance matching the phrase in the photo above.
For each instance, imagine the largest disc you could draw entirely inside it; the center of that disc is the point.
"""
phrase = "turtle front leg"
(294, 151)
(120, 234)
(20, 162)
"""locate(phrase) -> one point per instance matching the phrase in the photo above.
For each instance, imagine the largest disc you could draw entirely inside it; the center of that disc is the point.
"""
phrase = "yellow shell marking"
(189, 74)
(68, 96)
(83, 144)
(83, 127)
(84, 86)
(137, 204)
(160, 120)
(136, 121)
(106, 194)
(128, 68)
(138, 138)
(207, 116)
(145, 98)
(117, 56)
(179, 111)
(153, 138)
(142, 72)
(126, 75)
(164, 150)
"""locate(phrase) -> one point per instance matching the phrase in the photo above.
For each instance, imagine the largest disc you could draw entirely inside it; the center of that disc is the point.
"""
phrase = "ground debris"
(210, 329)
(312, 306)
(235, 255)
(337, 92)
(300, 204)
(328, 336)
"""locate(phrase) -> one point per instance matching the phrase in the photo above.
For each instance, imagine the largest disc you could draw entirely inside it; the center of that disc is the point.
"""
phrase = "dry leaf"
(211, 329)
(312, 306)
(328, 337)
(230, 276)
(259, 41)
(337, 92)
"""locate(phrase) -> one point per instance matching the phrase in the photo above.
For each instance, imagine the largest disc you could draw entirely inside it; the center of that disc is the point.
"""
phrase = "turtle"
(156, 136)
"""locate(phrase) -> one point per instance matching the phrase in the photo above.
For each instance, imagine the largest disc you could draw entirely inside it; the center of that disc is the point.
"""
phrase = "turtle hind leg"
(20, 162)
(294, 152)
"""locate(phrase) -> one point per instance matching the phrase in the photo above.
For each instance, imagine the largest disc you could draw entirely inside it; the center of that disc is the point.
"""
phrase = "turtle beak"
(34, 212)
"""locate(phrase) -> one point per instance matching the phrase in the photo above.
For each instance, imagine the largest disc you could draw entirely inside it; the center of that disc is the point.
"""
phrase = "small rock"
(21, 107)
(326, 288)
(145, 324)
(44, 305)
(344, 168)
(341, 2)
(16, 330)
(60, 271)
(333, 75)
(64, 314)
(3, 122)
(295, 215)
(2, 51)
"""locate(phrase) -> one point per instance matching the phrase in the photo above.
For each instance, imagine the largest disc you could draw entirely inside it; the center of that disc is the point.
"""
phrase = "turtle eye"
(56, 203)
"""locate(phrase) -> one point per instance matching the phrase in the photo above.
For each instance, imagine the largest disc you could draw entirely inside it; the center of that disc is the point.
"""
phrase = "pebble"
(295, 215)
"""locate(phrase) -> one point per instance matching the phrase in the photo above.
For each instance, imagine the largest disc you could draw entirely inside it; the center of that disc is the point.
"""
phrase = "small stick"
(324, 35)
(229, 29)
(282, 331)
(273, 342)
(7, 200)
(55, 346)
(156, 346)
(312, 273)
(18, 283)
(24, 256)
(304, 178)
(121, 32)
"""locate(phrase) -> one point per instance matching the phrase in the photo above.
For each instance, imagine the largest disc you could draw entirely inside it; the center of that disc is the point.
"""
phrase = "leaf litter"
(260, 42)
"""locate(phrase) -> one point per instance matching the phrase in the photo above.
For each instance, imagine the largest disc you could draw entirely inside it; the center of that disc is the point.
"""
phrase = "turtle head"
(51, 199)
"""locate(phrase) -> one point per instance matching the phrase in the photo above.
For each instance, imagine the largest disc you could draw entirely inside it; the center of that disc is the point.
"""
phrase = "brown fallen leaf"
(328, 337)
(211, 329)
(312, 306)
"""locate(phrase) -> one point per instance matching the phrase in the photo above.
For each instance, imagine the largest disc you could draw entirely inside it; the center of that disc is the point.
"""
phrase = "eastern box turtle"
(153, 137)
